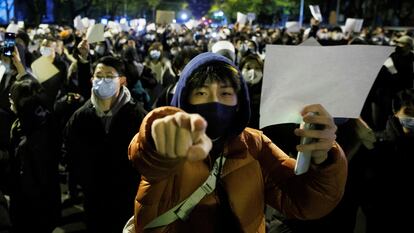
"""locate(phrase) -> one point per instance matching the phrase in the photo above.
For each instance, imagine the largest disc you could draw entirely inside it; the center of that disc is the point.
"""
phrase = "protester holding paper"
(176, 148)
(11, 69)
(80, 71)
(53, 83)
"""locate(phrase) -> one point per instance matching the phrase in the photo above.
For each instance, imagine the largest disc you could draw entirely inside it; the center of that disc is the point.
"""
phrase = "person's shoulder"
(85, 109)
(135, 106)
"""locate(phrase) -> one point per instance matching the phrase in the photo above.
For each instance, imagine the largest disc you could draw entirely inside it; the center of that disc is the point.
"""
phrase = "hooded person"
(203, 170)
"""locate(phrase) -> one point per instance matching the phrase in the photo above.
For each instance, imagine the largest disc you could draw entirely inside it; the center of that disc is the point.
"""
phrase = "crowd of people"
(159, 130)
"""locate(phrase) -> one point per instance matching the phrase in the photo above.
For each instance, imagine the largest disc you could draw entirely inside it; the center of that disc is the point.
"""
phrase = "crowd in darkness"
(80, 121)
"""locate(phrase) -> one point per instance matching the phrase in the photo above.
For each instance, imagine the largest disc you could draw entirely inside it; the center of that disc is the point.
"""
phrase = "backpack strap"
(183, 209)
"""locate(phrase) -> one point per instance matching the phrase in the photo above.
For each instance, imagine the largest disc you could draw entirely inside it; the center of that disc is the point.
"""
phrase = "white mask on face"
(105, 88)
(45, 51)
(407, 122)
(252, 76)
(337, 36)
(4, 68)
(155, 54)
(100, 50)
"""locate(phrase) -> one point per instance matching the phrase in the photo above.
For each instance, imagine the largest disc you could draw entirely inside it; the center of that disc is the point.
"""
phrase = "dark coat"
(35, 190)
(99, 162)
(392, 176)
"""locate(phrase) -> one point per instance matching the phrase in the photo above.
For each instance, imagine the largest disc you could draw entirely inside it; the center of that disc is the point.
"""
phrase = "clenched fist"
(181, 135)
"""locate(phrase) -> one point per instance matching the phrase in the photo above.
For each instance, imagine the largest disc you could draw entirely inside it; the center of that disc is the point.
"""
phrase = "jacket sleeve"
(308, 196)
(143, 155)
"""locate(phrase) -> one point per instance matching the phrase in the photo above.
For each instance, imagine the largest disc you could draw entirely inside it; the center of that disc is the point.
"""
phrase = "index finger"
(193, 122)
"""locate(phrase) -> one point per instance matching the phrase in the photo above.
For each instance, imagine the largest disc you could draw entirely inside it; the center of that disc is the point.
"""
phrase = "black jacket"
(35, 190)
(99, 162)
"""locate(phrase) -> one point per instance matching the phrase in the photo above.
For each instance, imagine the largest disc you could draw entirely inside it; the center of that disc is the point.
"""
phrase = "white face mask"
(407, 122)
(4, 68)
(323, 36)
(105, 88)
(155, 54)
(337, 36)
(46, 51)
(252, 76)
(100, 50)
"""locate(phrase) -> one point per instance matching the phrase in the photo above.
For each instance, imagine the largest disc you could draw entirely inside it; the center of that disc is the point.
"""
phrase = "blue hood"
(243, 112)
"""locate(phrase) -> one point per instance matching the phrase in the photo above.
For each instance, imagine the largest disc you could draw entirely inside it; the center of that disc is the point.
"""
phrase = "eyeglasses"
(106, 79)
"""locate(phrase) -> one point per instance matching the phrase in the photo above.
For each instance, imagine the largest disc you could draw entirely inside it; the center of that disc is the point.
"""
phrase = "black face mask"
(219, 117)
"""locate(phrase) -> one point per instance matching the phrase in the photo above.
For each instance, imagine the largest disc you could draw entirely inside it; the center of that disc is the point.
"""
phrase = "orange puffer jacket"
(255, 173)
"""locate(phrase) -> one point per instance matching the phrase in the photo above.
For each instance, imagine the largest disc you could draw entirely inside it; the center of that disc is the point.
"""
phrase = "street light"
(184, 16)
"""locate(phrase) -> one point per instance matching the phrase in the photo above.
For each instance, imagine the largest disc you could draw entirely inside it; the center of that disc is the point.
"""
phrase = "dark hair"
(358, 40)
(251, 57)
(113, 62)
(24, 37)
(25, 91)
(403, 98)
(182, 58)
(31, 103)
(214, 71)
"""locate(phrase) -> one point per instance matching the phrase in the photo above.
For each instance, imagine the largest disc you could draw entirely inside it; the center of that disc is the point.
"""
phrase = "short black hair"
(114, 62)
(251, 57)
(214, 71)
(24, 37)
(403, 98)
(182, 58)
(24, 92)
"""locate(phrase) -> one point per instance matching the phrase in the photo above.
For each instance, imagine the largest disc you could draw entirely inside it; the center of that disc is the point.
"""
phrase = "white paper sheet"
(151, 27)
(13, 28)
(141, 23)
(95, 33)
(85, 22)
(164, 17)
(311, 41)
(251, 17)
(353, 25)
(134, 23)
(192, 23)
(92, 22)
(241, 18)
(20, 24)
(175, 27)
(338, 77)
(316, 12)
(124, 27)
(43, 69)
(292, 26)
(77, 23)
(43, 26)
(2, 71)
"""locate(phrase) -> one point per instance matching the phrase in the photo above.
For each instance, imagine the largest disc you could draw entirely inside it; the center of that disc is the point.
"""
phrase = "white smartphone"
(303, 159)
